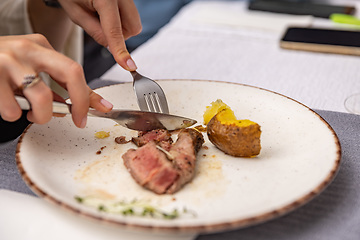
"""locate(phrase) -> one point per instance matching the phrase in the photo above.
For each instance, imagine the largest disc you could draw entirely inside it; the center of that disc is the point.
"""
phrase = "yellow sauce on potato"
(227, 117)
(212, 110)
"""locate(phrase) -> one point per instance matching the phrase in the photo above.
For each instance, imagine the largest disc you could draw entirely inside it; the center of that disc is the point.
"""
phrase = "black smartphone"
(300, 8)
(322, 40)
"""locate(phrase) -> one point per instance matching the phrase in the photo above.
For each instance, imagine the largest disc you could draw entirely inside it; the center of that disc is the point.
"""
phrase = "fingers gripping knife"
(136, 120)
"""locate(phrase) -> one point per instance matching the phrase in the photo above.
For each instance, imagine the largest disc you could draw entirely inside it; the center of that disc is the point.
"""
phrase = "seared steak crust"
(159, 136)
(184, 153)
(151, 168)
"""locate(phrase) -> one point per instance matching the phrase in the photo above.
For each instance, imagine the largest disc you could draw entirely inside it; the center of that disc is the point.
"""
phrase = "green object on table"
(345, 19)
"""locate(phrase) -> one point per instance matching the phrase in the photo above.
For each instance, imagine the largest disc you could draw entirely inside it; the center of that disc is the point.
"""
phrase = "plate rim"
(203, 228)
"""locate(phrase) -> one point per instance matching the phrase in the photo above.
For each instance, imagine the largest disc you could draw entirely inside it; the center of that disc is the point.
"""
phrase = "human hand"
(25, 55)
(109, 23)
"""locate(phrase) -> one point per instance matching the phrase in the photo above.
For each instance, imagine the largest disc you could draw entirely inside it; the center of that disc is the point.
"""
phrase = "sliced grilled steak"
(151, 168)
(161, 137)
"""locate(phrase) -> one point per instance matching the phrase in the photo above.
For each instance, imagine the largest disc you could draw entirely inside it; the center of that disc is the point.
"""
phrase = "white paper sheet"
(24, 217)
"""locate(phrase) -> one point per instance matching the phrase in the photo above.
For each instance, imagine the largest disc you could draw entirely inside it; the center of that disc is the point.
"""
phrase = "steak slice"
(184, 153)
(151, 168)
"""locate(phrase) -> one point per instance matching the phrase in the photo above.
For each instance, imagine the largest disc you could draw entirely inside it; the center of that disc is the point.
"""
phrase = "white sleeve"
(74, 46)
(14, 20)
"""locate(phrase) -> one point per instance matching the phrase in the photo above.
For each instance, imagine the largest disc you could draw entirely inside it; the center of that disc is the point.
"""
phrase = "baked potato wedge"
(238, 138)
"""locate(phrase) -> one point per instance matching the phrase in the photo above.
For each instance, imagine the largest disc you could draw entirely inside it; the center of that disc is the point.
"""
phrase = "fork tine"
(154, 102)
(151, 103)
(148, 103)
(161, 101)
(158, 103)
(149, 94)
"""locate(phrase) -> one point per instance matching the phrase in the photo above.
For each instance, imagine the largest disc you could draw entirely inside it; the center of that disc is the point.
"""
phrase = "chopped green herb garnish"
(131, 208)
(79, 199)
(174, 214)
(102, 208)
(128, 211)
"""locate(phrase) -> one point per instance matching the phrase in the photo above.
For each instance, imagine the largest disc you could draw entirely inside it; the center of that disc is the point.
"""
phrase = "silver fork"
(150, 95)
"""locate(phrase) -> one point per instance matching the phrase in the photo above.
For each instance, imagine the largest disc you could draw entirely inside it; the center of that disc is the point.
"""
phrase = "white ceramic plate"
(300, 156)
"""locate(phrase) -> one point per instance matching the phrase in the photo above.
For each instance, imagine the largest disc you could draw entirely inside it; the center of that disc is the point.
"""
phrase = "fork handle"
(136, 75)
(58, 107)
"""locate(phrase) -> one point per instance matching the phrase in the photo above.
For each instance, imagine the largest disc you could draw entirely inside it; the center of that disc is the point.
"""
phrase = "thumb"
(123, 58)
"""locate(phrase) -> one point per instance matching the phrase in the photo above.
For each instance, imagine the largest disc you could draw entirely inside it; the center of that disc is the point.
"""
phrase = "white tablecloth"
(219, 40)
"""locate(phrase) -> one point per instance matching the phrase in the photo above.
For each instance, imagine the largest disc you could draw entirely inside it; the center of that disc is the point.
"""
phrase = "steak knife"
(132, 119)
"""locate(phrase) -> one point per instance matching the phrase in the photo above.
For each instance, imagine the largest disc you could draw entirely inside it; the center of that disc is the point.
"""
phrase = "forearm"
(53, 23)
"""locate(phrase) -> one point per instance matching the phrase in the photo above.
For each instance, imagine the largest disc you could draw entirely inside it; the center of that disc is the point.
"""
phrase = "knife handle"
(58, 107)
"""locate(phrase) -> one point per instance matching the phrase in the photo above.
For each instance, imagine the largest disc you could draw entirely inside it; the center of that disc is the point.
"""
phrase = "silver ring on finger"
(30, 80)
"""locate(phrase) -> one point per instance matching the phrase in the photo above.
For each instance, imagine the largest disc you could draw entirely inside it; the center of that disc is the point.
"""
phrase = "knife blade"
(132, 119)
